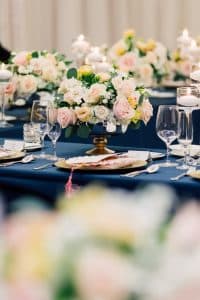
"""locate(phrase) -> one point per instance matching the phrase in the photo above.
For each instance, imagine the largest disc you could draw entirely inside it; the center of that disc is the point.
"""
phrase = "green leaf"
(68, 131)
(83, 131)
(141, 99)
(68, 62)
(35, 54)
(72, 73)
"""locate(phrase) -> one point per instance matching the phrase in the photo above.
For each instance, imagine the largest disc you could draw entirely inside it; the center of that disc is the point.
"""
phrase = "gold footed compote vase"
(100, 139)
(100, 143)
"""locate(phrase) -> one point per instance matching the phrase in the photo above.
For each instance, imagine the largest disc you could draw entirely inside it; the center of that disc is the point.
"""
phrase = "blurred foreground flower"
(103, 244)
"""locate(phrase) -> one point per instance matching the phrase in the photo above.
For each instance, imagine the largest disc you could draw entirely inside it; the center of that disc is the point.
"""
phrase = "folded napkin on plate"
(139, 155)
(89, 159)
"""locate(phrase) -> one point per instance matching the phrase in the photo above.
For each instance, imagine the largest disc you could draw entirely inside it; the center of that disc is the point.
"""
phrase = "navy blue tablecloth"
(48, 183)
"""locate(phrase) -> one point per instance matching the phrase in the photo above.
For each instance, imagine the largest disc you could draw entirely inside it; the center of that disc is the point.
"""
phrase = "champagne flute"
(185, 135)
(54, 129)
(167, 128)
(39, 115)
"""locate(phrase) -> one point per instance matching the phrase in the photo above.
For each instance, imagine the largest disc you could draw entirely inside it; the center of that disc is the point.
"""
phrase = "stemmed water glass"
(167, 128)
(39, 115)
(185, 135)
(54, 131)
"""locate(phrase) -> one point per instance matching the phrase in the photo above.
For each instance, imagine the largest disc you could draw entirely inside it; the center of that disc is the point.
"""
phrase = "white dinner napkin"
(139, 155)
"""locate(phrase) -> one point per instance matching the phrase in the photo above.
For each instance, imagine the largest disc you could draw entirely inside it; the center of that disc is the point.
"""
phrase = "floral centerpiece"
(108, 98)
(145, 59)
(38, 70)
(103, 244)
(183, 58)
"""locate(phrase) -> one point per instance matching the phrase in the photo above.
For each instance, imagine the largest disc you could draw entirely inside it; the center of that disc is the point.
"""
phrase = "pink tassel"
(69, 185)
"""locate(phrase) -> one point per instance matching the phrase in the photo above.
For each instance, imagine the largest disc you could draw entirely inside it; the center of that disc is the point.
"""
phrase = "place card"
(14, 145)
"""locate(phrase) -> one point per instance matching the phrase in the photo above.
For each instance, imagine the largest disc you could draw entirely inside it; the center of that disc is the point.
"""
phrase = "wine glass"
(185, 135)
(54, 131)
(167, 128)
(39, 115)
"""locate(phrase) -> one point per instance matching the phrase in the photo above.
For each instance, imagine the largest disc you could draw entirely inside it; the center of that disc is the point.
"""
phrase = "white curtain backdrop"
(52, 24)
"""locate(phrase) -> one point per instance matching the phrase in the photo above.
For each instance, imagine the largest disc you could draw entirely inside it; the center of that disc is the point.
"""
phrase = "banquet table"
(48, 184)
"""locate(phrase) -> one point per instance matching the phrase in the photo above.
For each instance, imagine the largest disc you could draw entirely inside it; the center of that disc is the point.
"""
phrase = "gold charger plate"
(138, 164)
(195, 174)
(15, 156)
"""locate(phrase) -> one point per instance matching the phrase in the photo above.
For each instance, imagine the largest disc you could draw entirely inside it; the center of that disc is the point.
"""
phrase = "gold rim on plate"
(195, 174)
(14, 156)
(139, 164)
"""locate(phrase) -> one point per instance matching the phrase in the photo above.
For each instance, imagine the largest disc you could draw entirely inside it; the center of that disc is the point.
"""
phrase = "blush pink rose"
(21, 58)
(66, 117)
(146, 111)
(122, 109)
(128, 62)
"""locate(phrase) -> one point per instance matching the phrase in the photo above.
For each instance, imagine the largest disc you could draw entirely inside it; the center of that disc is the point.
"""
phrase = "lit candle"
(184, 40)
(81, 44)
(188, 100)
(5, 75)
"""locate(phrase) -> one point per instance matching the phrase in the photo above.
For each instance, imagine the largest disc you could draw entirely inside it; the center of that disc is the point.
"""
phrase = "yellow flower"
(176, 56)
(29, 56)
(141, 46)
(132, 101)
(120, 51)
(84, 70)
(150, 45)
(137, 116)
(130, 33)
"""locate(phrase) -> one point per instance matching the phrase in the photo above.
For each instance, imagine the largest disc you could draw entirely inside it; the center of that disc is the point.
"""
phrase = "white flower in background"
(75, 95)
(24, 70)
(67, 84)
(50, 74)
(117, 50)
(150, 58)
(128, 62)
(61, 66)
(101, 112)
(27, 84)
(37, 65)
(161, 53)
(145, 72)
(95, 93)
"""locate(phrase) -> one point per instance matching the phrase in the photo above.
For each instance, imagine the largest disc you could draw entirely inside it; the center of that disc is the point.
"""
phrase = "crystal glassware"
(39, 115)
(167, 128)
(54, 128)
(185, 135)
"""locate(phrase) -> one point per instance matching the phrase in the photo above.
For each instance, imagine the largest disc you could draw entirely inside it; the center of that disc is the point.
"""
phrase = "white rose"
(50, 74)
(28, 84)
(95, 93)
(101, 112)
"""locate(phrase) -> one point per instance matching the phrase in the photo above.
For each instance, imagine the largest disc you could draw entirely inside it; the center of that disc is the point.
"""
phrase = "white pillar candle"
(94, 56)
(188, 100)
(184, 40)
(194, 51)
